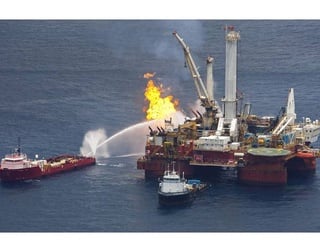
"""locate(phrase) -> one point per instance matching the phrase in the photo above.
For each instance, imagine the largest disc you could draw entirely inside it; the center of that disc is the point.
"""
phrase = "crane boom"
(202, 91)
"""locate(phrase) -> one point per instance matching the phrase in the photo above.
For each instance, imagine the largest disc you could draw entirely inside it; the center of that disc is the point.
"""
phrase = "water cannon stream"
(129, 141)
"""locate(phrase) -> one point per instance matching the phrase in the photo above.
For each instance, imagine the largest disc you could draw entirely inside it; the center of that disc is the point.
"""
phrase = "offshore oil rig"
(263, 150)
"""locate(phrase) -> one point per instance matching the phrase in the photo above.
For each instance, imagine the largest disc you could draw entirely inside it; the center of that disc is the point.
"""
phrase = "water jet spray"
(127, 142)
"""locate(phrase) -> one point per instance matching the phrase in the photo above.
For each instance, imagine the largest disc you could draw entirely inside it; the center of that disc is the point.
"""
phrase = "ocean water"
(61, 79)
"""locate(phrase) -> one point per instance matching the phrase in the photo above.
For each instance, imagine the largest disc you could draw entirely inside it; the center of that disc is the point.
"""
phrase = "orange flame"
(159, 108)
(148, 75)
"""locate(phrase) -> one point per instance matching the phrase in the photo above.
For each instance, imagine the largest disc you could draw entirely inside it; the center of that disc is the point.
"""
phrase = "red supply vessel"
(17, 166)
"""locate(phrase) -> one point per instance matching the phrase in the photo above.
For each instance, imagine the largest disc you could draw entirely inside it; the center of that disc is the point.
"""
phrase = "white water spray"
(91, 144)
(127, 142)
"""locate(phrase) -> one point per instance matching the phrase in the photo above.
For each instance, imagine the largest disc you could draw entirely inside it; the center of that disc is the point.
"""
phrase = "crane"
(201, 90)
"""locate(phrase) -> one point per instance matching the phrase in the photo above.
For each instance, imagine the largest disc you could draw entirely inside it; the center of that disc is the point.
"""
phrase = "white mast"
(288, 119)
(230, 99)
(210, 81)
(291, 107)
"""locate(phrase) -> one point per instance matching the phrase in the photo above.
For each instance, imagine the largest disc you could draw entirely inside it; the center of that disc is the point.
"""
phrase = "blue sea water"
(60, 79)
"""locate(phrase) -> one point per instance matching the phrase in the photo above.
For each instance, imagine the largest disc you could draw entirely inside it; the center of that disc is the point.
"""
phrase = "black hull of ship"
(175, 199)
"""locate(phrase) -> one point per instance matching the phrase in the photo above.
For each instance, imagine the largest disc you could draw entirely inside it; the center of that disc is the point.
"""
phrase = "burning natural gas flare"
(148, 75)
(159, 107)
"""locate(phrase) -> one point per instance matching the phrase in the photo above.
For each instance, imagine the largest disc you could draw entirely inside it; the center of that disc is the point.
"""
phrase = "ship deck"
(268, 152)
(216, 165)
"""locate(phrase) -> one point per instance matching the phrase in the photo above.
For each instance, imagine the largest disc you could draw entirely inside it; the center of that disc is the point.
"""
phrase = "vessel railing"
(15, 156)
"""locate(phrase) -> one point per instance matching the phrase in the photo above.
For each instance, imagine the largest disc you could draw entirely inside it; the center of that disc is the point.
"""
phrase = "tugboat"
(173, 189)
(17, 166)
